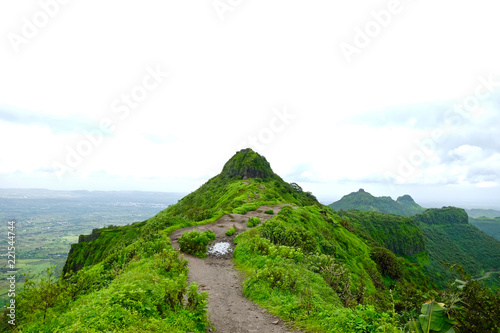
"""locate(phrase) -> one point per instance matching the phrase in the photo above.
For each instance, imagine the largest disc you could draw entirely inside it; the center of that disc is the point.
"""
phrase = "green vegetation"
(443, 216)
(51, 221)
(139, 288)
(231, 231)
(429, 239)
(401, 235)
(488, 225)
(269, 211)
(321, 270)
(253, 221)
(195, 242)
(434, 318)
(364, 201)
(450, 239)
(305, 267)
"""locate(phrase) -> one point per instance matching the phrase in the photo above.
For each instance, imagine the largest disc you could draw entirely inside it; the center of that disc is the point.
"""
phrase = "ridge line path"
(486, 275)
(230, 311)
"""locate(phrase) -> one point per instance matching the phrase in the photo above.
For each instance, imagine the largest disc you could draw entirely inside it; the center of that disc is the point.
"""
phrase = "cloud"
(417, 116)
(466, 153)
(57, 125)
(160, 139)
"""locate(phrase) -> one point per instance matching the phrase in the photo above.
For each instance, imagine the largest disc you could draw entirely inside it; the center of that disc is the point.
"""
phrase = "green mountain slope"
(431, 239)
(402, 235)
(364, 201)
(487, 220)
(450, 238)
(318, 269)
(490, 226)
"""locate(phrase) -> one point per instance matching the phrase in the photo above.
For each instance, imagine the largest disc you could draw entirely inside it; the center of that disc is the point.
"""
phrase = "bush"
(195, 242)
(230, 231)
(270, 212)
(387, 262)
(280, 233)
(253, 221)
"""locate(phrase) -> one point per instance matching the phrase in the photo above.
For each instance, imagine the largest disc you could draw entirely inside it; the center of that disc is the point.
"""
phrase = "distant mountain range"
(475, 213)
(486, 220)
(364, 201)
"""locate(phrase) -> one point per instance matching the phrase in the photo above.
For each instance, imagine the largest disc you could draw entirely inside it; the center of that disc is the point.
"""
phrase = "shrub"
(387, 262)
(195, 242)
(280, 233)
(270, 212)
(253, 221)
(230, 231)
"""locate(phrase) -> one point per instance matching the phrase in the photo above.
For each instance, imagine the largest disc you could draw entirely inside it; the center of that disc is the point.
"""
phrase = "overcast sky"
(391, 96)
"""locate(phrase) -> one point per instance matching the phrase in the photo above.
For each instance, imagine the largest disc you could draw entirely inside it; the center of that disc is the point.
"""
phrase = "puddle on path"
(220, 249)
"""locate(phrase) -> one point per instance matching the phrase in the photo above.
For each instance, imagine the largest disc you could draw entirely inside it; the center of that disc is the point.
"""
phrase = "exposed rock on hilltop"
(247, 164)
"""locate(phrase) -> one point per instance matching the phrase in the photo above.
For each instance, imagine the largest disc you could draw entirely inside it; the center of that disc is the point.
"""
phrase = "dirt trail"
(487, 275)
(229, 310)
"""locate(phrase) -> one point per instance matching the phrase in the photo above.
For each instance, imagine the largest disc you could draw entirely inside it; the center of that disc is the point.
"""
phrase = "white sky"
(347, 124)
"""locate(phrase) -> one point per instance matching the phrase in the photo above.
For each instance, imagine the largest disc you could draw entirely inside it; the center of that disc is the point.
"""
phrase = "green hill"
(315, 268)
(450, 238)
(364, 201)
(431, 239)
(490, 226)
(487, 220)
(475, 213)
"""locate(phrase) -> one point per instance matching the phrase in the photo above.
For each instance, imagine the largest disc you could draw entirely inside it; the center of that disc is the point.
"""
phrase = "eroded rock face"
(247, 164)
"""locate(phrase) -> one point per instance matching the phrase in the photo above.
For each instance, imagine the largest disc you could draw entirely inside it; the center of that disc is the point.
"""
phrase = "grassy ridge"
(322, 270)
(139, 288)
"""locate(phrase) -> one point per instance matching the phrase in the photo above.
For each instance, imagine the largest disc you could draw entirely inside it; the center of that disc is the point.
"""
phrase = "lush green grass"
(402, 235)
(231, 231)
(300, 283)
(140, 288)
(253, 221)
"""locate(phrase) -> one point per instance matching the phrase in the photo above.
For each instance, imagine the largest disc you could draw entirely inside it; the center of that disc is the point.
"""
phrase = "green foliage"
(140, 288)
(101, 243)
(309, 289)
(386, 262)
(195, 242)
(253, 221)
(434, 318)
(429, 239)
(230, 192)
(278, 232)
(269, 211)
(443, 216)
(402, 235)
(489, 225)
(460, 244)
(473, 306)
(247, 164)
(231, 231)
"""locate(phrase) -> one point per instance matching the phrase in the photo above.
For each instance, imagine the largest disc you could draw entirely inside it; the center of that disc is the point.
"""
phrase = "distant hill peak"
(247, 164)
(405, 198)
(364, 201)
